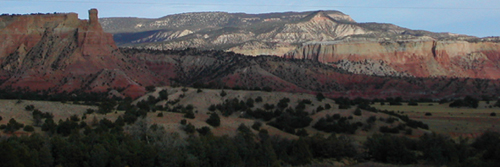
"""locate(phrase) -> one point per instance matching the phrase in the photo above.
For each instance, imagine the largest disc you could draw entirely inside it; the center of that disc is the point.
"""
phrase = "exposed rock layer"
(427, 58)
(62, 53)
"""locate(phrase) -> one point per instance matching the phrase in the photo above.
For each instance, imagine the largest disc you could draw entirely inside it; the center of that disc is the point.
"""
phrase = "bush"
(256, 125)
(29, 128)
(190, 129)
(29, 107)
(258, 99)
(320, 108)
(412, 103)
(204, 131)
(1, 118)
(160, 114)
(13, 126)
(183, 122)
(328, 106)
(214, 120)
(428, 114)
(189, 114)
(223, 93)
(357, 112)
(492, 114)
(90, 111)
(244, 129)
(320, 97)
(371, 119)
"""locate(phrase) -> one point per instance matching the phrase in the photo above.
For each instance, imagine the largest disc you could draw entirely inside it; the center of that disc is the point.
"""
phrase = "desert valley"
(310, 88)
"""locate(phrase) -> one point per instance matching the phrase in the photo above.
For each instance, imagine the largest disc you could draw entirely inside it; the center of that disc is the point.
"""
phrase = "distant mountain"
(327, 36)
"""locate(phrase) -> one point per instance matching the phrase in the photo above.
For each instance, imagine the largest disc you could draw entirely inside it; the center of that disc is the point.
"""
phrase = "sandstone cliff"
(62, 53)
(419, 58)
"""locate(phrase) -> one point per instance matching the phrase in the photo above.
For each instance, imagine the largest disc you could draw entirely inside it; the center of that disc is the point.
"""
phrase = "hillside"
(217, 69)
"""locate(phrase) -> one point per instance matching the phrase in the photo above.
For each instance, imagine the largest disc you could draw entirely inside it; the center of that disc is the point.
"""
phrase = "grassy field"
(466, 122)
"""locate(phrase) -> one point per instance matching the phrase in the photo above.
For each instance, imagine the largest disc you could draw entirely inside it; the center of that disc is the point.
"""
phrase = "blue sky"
(472, 17)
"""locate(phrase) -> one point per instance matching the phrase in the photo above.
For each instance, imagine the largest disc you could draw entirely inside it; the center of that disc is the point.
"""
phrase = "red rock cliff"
(61, 52)
(420, 58)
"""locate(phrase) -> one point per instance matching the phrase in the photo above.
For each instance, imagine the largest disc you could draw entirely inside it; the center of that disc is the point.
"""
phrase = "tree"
(244, 129)
(189, 114)
(328, 106)
(357, 112)
(13, 126)
(256, 125)
(258, 99)
(163, 94)
(320, 96)
(29, 128)
(223, 93)
(214, 120)
(190, 129)
(204, 131)
(8, 155)
(49, 126)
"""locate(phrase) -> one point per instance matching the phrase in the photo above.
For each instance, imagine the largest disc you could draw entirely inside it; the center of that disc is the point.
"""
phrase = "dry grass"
(465, 122)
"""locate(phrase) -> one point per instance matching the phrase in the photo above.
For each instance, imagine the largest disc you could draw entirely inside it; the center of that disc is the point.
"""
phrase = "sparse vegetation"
(213, 120)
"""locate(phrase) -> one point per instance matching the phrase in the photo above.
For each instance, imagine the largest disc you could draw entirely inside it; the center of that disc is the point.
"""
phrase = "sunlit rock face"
(419, 58)
(62, 53)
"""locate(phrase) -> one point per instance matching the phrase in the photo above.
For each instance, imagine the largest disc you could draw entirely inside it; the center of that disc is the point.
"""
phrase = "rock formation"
(62, 53)
(418, 58)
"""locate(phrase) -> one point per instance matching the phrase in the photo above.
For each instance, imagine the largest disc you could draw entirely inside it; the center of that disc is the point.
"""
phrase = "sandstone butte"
(418, 58)
(60, 52)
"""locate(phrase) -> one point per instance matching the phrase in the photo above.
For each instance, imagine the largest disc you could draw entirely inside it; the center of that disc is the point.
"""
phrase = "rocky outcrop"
(419, 58)
(62, 53)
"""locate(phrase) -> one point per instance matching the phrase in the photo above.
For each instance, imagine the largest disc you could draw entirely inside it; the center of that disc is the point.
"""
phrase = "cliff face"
(419, 58)
(62, 53)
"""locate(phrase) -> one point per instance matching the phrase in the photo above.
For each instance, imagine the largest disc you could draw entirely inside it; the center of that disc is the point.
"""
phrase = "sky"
(471, 17)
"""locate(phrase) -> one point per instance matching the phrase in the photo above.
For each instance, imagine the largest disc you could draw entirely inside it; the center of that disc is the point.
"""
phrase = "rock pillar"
(93, 20)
